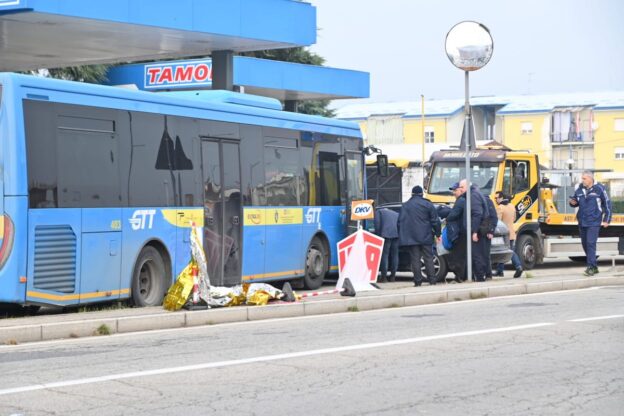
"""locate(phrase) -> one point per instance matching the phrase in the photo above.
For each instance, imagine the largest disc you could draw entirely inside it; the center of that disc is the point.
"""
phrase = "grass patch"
(11, 342)
(103, 330)
(528, 275)
(479, 295)
(353, 309)
(104, 307)
(395, 305)
(74, 335)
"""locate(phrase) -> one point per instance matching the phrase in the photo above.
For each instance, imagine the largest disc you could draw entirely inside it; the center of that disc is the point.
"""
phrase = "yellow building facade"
(567, 131)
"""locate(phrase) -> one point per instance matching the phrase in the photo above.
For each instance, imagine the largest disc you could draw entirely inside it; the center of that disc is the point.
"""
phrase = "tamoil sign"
(178, 74)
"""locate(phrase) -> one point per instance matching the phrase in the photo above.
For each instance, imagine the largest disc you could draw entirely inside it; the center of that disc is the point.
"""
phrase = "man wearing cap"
(418, 224)
(457, 233)
(478, 216)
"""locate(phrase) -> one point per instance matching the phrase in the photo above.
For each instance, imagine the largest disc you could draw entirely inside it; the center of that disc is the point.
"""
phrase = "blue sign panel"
(164, 75)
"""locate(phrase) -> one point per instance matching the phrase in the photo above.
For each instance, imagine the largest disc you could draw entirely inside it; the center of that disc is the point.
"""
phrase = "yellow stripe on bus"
(183, 218)
(277, 274)
(75, 296)
(273, 216)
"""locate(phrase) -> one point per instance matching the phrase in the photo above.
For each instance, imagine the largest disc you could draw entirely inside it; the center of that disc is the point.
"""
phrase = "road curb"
(80, 328)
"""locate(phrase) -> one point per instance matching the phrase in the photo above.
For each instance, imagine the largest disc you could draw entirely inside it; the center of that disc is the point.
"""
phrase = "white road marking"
(266, 358)
(449, 304)
(597, 318)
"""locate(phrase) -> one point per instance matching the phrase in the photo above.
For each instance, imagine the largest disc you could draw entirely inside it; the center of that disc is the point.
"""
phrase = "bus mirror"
(382, 165)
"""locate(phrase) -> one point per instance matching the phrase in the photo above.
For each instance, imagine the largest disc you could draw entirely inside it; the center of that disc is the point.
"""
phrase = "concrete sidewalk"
(390, 295)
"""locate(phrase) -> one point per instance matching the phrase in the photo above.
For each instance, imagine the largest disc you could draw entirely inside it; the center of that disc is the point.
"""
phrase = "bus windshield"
(444, 174)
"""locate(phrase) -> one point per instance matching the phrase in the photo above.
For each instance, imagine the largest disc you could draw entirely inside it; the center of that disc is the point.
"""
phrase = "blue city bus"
(100, 186)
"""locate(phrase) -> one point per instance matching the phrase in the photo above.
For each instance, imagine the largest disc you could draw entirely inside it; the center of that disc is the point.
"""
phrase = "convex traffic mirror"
(469, 45)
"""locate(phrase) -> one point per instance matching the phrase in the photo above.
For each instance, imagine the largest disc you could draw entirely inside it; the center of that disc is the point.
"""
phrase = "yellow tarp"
(399, 163)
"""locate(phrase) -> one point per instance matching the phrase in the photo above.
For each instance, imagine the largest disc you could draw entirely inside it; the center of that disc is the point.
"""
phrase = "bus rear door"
(220, 163)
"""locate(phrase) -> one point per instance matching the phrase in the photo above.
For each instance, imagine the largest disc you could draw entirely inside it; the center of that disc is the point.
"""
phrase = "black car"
(499, 253)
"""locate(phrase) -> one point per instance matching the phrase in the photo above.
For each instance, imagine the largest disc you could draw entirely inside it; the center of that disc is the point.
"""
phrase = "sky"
(540, 46)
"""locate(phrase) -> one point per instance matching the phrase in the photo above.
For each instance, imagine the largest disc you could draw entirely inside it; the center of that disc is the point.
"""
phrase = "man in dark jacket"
(386, 226)
(418, 223)
(477, 216)
(491, 227)
(594, 210)
(456, 223)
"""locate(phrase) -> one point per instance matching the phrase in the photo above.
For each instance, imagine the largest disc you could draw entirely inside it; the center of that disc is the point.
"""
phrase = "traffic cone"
(195, 273)
(194, 304)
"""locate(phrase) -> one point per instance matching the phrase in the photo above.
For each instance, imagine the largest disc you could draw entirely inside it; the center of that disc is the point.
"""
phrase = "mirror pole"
(467, 144)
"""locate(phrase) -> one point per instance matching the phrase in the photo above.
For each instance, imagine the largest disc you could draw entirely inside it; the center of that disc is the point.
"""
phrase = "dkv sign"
(359, 256)
(362, 210)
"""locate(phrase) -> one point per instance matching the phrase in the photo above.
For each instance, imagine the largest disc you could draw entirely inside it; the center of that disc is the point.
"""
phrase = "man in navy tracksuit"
(594, 210)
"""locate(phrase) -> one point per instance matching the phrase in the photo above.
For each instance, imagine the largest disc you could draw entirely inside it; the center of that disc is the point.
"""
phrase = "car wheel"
(439, 267)
(526, 248)
(148, 279)
(316, 264)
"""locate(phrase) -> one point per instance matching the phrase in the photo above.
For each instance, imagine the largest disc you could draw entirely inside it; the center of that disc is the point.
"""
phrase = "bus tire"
(148, 279)
(316, 264)
(526, 248)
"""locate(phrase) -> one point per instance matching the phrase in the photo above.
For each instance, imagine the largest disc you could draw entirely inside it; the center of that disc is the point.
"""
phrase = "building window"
(619, 153)
(526, 127)
(429, 134)
(619, 124)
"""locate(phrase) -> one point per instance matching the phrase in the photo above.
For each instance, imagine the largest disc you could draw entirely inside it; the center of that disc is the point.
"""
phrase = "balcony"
(583, 137)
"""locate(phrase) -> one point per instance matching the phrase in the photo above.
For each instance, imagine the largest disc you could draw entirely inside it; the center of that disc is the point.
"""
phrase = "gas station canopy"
(57, 33)
(281, 80)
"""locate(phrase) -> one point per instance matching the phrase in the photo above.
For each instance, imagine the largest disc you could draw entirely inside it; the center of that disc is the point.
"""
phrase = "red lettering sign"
(166, 75)
(184, 73)
(373, 246)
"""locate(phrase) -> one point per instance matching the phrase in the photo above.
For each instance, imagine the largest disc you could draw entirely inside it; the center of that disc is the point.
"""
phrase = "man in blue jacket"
(387, 226)
(456, 232)
(594, 210)
(492, 217)
(478, 215)
(418, 223)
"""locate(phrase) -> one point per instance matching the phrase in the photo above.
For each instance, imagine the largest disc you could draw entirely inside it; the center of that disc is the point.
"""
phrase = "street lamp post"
(469, 47)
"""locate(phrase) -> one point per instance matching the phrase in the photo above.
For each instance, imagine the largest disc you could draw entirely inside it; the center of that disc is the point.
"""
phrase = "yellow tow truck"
(545, 226)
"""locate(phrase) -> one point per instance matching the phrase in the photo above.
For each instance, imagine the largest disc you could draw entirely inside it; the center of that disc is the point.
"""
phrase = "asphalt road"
(554, 353)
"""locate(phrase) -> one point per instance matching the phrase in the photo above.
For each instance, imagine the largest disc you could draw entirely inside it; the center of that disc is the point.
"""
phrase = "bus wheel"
(148, 279)
(315, 265)
(527, 251)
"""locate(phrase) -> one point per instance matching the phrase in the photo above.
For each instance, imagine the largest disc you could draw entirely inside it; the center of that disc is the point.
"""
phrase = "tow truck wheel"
(526, 249)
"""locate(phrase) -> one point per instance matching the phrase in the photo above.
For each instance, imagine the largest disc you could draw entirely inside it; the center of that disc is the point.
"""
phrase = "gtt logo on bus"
(178, 74)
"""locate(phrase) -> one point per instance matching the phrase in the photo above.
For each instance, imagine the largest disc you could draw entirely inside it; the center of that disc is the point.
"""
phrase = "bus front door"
(220, 161)
(355, 184)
